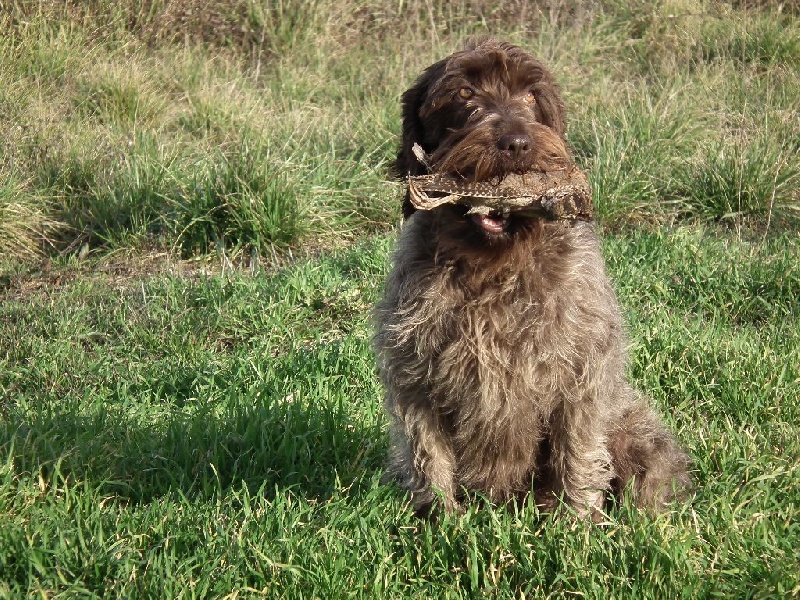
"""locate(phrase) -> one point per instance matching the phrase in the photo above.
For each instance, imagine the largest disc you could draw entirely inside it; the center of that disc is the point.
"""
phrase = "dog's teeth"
(489, 224)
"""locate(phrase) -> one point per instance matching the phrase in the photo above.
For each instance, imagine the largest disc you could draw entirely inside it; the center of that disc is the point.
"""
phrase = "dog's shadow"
(301, 426)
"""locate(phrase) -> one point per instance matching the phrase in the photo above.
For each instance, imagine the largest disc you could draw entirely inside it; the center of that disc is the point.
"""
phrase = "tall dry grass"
(254, 125)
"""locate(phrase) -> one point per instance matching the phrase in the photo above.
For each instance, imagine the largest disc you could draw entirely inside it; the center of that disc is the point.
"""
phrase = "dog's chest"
(492, 348)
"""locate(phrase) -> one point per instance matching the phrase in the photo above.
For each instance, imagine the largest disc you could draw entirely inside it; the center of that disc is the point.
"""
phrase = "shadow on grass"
(299, 427)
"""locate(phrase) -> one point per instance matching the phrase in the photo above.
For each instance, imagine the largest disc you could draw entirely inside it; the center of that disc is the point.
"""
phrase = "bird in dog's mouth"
(556, 194)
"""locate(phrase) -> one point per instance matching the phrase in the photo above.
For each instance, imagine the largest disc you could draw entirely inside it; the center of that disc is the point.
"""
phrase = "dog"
(499, 338)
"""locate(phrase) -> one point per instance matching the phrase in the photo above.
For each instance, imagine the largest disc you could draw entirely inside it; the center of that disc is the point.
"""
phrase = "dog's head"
(482, 113)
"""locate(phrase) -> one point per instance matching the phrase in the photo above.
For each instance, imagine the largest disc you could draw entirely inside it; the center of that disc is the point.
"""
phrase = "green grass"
(185, 434)
(195, 221)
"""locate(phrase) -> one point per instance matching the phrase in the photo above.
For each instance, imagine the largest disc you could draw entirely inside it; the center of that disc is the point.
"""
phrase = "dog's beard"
(472, 152)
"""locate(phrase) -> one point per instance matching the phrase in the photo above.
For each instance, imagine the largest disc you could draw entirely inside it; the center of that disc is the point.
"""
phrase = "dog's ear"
(550, 105)
(413, 130)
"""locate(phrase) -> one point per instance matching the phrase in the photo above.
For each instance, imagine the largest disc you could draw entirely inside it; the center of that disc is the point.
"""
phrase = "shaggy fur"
(500, 342)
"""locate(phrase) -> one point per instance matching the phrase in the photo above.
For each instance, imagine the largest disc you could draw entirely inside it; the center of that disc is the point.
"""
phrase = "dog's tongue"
(490, 224)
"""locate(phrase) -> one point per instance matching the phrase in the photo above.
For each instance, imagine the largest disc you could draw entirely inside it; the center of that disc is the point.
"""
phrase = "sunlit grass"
(189, 431)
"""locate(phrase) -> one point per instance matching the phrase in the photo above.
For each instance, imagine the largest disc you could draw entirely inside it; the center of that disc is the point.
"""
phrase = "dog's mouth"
(494, 223)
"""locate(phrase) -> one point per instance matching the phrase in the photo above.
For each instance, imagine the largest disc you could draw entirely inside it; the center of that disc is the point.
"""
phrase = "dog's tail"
(646, 460)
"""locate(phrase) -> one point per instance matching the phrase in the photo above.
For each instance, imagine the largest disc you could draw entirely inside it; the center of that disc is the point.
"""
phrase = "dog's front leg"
(422, 458)
(580, 459)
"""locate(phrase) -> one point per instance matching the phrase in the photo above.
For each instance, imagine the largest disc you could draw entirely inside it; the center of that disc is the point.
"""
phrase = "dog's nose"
(516, 144)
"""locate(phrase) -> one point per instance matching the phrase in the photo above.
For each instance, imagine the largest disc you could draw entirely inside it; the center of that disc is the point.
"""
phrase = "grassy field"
(195, 220)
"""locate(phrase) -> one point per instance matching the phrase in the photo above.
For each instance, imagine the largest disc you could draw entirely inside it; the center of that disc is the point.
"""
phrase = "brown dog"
(500, 341)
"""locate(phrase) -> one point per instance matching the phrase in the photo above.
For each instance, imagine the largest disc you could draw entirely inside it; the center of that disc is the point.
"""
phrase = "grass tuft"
(240, 199)
(26, 230)
(632, 152)
(750, 181)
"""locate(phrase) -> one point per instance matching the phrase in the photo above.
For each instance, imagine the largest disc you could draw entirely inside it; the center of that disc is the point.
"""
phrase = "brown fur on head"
(499, 340)
(482, 113)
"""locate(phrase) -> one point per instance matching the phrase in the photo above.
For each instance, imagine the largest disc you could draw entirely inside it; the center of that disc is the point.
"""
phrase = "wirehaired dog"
(499, 338)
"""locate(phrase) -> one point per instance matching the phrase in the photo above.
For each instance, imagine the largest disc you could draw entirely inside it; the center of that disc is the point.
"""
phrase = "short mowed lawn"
(196, 220)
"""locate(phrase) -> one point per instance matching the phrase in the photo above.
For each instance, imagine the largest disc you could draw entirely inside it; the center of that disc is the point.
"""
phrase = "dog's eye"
(529, 98)
(465, 93)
